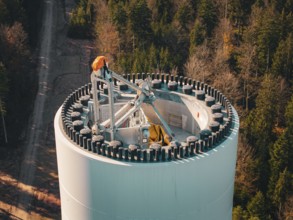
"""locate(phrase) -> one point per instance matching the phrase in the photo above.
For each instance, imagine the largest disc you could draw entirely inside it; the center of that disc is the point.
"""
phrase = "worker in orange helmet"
(99, 62)
(100, 69)
(99, 66)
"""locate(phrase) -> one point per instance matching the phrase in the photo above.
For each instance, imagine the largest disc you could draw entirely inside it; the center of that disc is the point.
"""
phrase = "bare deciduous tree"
(244, 178)
(174, 71)
(107, 35)
(288, 209)
(198, 64)
(246, 61)
(108, 39)
(223, 39)
(228, 84)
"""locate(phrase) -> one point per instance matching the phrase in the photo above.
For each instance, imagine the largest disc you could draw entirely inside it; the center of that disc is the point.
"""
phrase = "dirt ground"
(29, 189)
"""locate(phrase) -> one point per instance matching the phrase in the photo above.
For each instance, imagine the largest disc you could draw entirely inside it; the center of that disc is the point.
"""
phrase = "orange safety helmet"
(99, 62)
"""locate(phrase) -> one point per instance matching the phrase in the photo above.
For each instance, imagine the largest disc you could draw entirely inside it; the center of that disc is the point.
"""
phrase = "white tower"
(108, 180)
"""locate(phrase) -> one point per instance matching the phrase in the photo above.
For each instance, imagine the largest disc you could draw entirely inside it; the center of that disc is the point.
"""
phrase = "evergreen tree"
(161, 11)
(153, 58)
(165, 60)
(239, 11)
(164, 35)
(80, 20)
(124, 63)
(239, 213)
(140, 63)
(289, 116)
(280, 158)
(119, 16)
(207, 14)
(196, 36)
(256, 207)
(281, 189)
(267, 38)
(280, 164)
(283, 58)
(264, 33)
(286, 24)
(140, 21)
(260, 124)
(184, 16)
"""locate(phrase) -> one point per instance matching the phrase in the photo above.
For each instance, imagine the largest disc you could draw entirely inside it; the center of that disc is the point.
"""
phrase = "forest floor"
(29, 183)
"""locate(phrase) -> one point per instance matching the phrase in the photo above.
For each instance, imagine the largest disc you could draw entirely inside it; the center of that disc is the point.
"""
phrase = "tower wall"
(96, 187)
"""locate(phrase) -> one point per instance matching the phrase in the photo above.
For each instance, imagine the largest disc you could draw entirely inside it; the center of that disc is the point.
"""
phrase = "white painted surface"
(98, 188)
(199, 111)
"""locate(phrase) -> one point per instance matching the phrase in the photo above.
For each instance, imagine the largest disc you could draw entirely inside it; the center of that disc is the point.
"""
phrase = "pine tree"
(257, 207)
(207, 14)
(164, 34)
(119, 16)
(289, 116)
(279, 159)
(280, 164)
(286, 24)
(139, 61)
(124, 63)
(184, 16)
(161, 11)
(260, 124)
(165, 60)
(238, 12)
(140, 21)
(239, 213)
(281, 189)
(264, 32)
(280, 154)
(196, 36)
(153, 58)
(283, 58)
(267, 38)
(80, 20)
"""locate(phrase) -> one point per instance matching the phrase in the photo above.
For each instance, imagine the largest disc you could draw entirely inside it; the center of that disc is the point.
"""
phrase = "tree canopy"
(243, 48)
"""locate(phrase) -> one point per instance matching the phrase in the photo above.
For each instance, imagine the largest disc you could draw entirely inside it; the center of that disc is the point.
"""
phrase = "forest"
(18, 79)
(243, 48)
